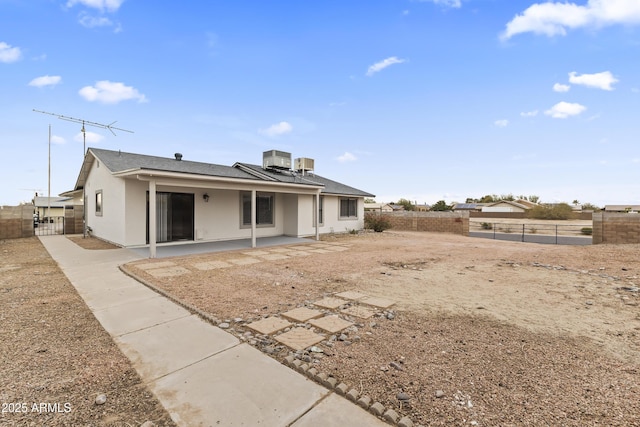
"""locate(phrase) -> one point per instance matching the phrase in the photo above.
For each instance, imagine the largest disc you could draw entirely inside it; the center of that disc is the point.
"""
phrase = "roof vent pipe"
(178, 156)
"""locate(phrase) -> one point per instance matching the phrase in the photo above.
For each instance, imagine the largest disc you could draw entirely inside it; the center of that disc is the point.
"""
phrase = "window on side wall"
(99, 203)
(348, 208)
(264, 208)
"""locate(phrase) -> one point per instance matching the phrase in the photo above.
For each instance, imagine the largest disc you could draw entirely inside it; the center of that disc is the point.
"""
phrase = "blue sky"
(426, 100)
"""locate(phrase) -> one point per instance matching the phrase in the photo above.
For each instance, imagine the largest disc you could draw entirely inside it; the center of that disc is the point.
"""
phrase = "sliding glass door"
(174, 217)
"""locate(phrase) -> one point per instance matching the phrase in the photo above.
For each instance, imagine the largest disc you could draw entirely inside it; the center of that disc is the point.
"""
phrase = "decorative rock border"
(376, 408)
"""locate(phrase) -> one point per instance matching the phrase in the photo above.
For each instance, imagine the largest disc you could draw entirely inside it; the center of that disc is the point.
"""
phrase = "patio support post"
(152, 219)
(318, 215)
(253, 218)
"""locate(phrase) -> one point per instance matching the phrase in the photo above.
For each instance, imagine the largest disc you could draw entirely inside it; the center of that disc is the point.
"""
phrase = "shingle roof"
(330, 186)
(118, 161)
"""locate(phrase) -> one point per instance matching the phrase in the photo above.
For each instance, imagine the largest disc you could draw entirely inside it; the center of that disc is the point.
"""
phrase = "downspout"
(253, 218)
(318, 214)
(152, 219)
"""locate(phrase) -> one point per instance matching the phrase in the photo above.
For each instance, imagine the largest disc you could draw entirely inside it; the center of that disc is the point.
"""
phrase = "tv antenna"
(84, 151)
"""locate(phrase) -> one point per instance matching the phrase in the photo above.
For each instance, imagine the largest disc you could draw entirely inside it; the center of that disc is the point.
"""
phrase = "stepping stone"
(319, 251)
(320, 245)
(331, 323)
(299, 338)
(302, 314)
(283, 250)
(244, 261)
(298, 253)
(337, 248)
(377, 302)
(274, 257)
(358, 311)
(168, 272)
(257, 252)
(269, 325)
(355, 296)
(330, 302)
(151, 265)
(211, 265)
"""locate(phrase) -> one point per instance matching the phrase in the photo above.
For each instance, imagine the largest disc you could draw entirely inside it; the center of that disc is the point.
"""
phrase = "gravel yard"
(482, 333)
(56, 358)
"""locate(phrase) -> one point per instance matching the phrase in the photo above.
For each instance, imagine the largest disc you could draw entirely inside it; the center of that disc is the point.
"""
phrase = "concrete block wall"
(440, 222)
(16, 221)
(617, 228)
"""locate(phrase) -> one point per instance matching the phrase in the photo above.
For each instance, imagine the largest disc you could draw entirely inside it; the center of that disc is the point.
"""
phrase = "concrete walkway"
(202, 375)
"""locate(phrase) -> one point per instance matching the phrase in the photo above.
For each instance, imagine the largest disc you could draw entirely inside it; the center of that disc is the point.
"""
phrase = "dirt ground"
(483, 332)
(56, 358)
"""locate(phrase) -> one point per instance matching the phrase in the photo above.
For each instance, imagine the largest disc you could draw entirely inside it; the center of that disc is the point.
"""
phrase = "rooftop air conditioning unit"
(276, 160)
(303, 164)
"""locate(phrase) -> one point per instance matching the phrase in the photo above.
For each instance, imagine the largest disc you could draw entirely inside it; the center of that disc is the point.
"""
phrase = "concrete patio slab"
(165, 348)
(211, 265)
(237, 387)
(359, 311)
(302, 314)
(352, 295)
(274, 257)
(269, 325)
(168, 271)
(151, 265)
(299, 338)
(330, 302)
(244, 261)
(335, 410)
(377, 302)
(331, 323)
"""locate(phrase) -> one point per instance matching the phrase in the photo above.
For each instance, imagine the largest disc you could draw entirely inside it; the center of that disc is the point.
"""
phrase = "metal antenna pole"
(111, 129)
(49, 181)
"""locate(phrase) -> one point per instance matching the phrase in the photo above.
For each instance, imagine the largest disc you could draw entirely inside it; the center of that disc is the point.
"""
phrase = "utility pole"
(110, 127)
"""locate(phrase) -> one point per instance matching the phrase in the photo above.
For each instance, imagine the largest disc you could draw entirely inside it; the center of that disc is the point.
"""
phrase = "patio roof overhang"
(178, 179)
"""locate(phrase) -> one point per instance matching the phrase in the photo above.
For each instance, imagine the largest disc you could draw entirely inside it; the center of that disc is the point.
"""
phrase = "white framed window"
(99, 203)
(348, 208)
(265, 208)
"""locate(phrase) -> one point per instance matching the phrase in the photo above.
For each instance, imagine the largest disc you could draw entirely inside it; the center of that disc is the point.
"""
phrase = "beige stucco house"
(137, 200)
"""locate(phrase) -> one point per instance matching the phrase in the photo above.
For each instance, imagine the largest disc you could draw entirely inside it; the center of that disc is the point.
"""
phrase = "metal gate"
(49, 226)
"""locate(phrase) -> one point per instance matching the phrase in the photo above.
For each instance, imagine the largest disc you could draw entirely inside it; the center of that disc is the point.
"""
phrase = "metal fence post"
(523, 232)
(556, 234)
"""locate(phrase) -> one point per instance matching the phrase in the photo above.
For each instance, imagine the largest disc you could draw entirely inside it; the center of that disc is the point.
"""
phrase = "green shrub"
(557, 211)
(486, 226)
(587, 231)
(377, 223)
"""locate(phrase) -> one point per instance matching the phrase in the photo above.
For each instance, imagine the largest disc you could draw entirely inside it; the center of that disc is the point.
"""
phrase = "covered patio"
(192, 248)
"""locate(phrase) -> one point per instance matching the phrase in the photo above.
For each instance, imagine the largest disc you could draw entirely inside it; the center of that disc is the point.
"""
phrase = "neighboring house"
(505, 206)
(468, 207)
(396, 208)
(422, 208)
(622, 208)
(49, 207)
(138, 200)
(378, 207)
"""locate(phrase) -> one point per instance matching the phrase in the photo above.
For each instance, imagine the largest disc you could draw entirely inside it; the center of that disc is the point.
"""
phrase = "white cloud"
(277, 129)
(602, 80)
(447, 3)
(347, 157)
(553, 18)
(562, 110)
(502, 123)
(529, 113)
(92, 138)
(45, 81)
(89, 21)
(561, 88)
(379, 66)
(58, 140)
(8, 53)
(109, 5)
(108, 92)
